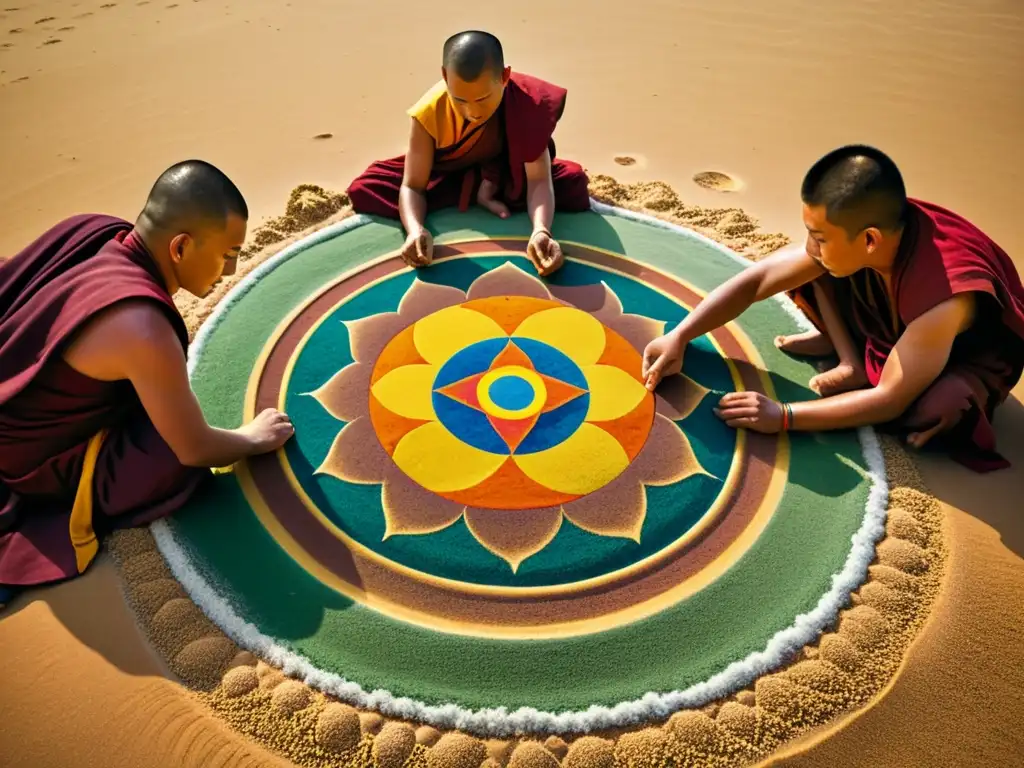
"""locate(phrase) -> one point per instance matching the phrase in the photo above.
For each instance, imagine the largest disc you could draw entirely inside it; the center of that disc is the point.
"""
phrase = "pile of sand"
(732, 227)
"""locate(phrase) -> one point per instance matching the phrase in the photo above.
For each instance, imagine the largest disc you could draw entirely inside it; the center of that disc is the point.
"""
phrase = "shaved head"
(859, 187)
(468, 55)
(191, 196)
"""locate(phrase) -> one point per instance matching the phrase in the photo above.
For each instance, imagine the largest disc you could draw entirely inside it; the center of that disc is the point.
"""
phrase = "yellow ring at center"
(540, 392)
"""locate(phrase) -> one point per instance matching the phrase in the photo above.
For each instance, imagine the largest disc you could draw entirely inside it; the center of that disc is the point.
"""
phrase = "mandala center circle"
(511, 392)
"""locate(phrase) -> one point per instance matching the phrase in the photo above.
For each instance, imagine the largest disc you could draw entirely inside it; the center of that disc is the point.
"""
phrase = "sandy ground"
(96, 98)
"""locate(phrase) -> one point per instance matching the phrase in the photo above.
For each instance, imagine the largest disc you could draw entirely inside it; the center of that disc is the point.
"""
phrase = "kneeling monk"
(482, 132)
(99, 428)
(923, 310)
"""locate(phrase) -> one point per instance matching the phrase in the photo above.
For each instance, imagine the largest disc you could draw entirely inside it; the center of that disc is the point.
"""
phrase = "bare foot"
(843, 378)
(811, 343)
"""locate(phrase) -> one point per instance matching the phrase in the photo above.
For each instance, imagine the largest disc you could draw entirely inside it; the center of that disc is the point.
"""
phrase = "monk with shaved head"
(924, 312)
(99, 428)
(483, 133)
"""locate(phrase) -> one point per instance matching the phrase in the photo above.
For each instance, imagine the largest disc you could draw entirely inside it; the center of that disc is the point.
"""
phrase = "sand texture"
(96, 98)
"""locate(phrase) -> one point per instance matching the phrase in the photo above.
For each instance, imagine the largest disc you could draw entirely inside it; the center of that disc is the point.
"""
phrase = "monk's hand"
(486, 198)
(662, 357)
(545, 252)
(418, 250)
(750, 410)
(268, 431)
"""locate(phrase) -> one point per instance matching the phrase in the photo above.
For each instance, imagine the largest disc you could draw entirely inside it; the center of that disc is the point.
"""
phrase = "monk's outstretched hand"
(418, 250)
(545, 252)
(268, 431)
(750, 410)
(662, 357)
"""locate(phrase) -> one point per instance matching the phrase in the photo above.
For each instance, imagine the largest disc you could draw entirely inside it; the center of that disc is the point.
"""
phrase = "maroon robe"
(517, 134)
(49, 411)
(941, 255)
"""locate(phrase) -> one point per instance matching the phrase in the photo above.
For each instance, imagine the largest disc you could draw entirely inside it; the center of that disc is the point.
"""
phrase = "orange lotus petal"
(513, 488)
(410, 509)
(618, 509)
(514, 535)
(509, 311)
(356, 455)
(667, 456)
(603, 303)
(344, 396)
(678, 396)
(507, 280)
(389, 426)
(633, 429)
(400, 351)
(619, 353)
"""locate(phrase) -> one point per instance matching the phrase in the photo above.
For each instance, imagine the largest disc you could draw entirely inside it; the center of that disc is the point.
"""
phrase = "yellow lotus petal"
(407, 391)
(573, 332)
(613, 392)
(440, 462)
(514, 534)
(440, 335)
(586, 461)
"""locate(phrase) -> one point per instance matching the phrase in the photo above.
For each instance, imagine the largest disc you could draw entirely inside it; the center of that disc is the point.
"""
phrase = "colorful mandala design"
(515, 410)
(477, 464)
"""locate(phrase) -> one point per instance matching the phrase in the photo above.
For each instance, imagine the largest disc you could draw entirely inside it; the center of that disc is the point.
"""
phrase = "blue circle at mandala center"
(513, 393)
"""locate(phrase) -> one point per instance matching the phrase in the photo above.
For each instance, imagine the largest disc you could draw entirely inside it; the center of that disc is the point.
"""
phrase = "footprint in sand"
(52, 41)
(173, 5)
(65, 29)
(625, 160)
(48, 18)
(144, 2)
(108, 5)
(20, 79)
(324, 136)
(85, 15)
(16, 31)
(718, 182)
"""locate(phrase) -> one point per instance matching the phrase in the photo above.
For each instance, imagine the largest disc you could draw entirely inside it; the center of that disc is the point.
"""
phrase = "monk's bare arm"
(135, 341)
(419, 162)
(917, 360)
(786, 270)
(540, 192)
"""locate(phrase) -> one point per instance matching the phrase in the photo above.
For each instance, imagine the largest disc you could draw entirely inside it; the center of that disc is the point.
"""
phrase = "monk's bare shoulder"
(120, 339)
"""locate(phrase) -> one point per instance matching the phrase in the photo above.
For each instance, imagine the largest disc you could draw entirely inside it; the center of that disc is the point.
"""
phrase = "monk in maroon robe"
(924, 312)
(482, 133)
(99, 428)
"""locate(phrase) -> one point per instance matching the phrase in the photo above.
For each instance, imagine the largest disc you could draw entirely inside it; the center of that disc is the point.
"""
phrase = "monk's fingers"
(553, 257)
(425, 248)
(737, 412)
(742, 422)
(738, 399)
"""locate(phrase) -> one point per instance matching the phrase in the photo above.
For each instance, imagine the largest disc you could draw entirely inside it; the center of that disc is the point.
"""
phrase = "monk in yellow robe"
(483, 133)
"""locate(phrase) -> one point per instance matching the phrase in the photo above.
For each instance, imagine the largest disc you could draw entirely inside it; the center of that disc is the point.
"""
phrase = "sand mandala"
(485, 521)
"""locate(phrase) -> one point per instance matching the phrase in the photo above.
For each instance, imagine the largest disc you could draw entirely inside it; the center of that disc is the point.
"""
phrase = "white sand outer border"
(499, 721)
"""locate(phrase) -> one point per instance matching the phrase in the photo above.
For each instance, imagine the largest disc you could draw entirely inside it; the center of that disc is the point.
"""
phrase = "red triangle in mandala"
(559, 393)
(512, 431)
(512, 355)
(464, 391)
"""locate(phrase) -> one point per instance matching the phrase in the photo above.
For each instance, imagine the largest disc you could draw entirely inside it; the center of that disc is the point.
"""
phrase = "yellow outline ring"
(483, 394)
